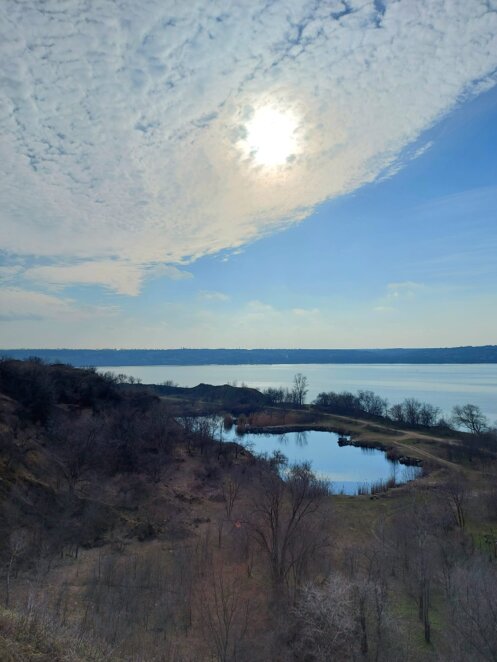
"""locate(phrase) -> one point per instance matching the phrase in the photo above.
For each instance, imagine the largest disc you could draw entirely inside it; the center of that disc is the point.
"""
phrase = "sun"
(271, 136)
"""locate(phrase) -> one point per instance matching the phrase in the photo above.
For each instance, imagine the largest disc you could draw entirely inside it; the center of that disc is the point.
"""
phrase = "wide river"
(440, 385)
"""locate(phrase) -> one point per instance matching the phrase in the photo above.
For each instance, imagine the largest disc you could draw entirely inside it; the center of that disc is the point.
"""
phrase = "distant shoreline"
(486, 354)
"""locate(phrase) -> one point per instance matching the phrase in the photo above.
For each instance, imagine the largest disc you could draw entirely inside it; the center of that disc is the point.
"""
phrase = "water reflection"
(348, 469)
(301, 438)
(298, 438)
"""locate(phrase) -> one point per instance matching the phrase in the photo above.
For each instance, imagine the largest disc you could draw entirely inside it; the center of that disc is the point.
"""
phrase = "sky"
(265, 173)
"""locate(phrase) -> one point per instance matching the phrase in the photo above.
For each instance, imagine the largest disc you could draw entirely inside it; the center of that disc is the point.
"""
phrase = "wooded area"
(130, 531)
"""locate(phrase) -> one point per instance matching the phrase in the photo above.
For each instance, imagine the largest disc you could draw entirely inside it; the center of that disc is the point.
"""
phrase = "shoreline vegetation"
(369, 420)
(372, 487)
(130, 531)
(188, 356)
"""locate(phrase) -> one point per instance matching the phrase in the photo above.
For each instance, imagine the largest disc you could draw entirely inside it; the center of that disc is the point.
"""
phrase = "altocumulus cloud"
(118, 275)
(121, 121)
(20, 304)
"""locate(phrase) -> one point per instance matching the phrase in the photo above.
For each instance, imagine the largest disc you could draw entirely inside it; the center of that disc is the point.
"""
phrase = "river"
(441, 385)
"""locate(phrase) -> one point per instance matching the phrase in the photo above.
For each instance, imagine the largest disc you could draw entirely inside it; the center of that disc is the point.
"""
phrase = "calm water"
(346, 467)
(441, 385)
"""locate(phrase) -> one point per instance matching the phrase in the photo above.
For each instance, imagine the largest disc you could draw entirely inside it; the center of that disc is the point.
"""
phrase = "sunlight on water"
(441, 385)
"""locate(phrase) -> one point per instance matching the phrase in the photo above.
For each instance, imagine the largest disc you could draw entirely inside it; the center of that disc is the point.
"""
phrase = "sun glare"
(271, 136)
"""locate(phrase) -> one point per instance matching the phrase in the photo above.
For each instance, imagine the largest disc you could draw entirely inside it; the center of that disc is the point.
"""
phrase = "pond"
(349, 469)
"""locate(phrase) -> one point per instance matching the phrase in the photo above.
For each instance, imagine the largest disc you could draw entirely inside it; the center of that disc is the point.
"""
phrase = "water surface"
(441, 385)
(346, 467)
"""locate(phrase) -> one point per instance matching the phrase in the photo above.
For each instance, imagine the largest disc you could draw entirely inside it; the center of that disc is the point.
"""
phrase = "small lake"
(347, 468)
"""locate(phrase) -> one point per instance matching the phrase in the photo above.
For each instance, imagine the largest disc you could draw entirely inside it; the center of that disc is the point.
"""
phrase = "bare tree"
(158, 427)
(428, 414)
(76, 440)
(274, 395)
(300, 389)
(472, 632)
(414, 532)
(470, 417)
(282, 512)
(412, 411)
(142, 599)
(224, 616)
(230, 488)
(396, 413)
(456, 493)
(371, 403)
(326, 626)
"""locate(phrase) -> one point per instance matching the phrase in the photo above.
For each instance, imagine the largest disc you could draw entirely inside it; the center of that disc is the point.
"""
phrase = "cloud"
(397, 293)
(8, 273)
(121, 122)
(423, 149)
(403, 159)
(120, 276)
(405, 290)
(20, 304)
(258, 310)
(305, 312)
(213, 296)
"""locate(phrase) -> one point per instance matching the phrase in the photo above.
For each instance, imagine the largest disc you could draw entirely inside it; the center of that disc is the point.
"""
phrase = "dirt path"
(371, 432)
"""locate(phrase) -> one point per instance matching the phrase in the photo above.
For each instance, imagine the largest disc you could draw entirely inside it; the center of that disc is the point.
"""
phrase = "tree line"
(410, 411)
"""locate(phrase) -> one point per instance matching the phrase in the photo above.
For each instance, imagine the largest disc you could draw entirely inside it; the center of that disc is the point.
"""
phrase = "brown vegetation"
(129, 532)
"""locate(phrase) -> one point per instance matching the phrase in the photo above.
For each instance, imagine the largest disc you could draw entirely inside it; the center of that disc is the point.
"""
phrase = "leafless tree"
(325, 621)
(412, 411)
(472, 632)
(414, 532)
(456, 494)
(275, 395)
(428, 414)
(371, 403)
(230, 488)
(470, 417)
(158, 427)
(282, 512)
(75, 445)
(300, 389)
(396, 413)
(204, 432)
(224, 616)
(139, 602)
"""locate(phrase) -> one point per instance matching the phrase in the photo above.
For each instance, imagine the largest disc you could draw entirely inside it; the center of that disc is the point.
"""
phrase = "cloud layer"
(121, 122)
(18, 304)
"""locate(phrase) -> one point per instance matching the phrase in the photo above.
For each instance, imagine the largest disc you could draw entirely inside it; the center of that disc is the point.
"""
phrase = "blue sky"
(164, 218)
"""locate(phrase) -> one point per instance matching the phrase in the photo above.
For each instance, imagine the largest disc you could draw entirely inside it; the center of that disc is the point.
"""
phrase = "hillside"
(129, 532)
(124, 357)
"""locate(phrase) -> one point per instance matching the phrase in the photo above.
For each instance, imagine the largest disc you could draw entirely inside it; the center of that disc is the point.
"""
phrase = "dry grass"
(33, 636)
(157, 597)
